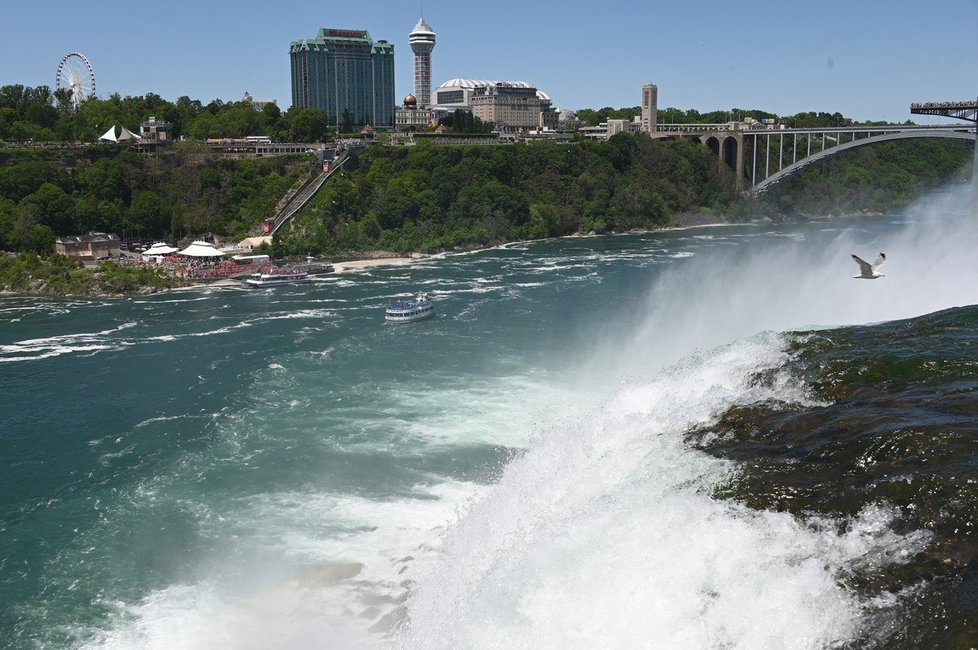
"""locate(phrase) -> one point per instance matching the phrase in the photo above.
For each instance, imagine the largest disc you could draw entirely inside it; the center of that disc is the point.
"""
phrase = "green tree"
(50, 206)
(308, 125)
(41, 240)
(148, 214)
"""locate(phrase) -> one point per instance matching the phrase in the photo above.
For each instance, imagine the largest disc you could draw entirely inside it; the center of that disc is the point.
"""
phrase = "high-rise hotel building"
(345, 69)
(422, 41)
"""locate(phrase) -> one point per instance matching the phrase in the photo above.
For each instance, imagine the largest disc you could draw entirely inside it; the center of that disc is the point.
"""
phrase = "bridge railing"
(692, 128)
(775, 165)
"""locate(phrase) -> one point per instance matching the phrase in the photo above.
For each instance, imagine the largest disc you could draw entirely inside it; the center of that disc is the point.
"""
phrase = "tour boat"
(410, 310)
(276, 276)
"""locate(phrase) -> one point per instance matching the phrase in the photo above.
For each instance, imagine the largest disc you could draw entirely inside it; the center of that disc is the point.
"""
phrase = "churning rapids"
(708, 438)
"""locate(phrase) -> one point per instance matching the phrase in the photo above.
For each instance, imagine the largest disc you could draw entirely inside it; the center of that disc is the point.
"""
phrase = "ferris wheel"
(76, 75)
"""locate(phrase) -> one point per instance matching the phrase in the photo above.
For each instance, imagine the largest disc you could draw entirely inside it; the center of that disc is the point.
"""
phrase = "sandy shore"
(378, 261)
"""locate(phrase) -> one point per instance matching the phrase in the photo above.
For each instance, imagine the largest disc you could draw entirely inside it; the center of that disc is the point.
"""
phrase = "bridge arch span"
(730, 151)
(728, 148)
(762, 187)
(711, 141)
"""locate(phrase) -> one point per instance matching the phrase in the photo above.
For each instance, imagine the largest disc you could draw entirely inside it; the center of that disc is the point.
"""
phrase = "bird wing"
(878, 262)
(864, 266)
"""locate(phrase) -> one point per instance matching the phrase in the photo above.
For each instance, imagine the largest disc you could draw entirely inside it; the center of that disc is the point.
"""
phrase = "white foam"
(164, 418)
(604, 533)
(303, 585)
(54, 346)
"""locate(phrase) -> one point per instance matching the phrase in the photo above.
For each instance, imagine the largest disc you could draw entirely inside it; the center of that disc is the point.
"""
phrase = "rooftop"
(422, 29)
(471, 84)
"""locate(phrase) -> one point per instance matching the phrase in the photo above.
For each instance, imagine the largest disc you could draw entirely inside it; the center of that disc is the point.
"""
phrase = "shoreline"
(369, 259)
(340, 267)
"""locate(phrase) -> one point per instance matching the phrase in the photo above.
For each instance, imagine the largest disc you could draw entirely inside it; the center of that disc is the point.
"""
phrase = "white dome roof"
(473, 83)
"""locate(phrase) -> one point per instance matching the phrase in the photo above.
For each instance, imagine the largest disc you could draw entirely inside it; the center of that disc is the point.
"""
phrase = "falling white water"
(604, 533)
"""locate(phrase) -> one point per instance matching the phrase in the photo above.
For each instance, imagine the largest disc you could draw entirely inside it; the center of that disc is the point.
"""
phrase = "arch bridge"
(830, 143)
(777, 152)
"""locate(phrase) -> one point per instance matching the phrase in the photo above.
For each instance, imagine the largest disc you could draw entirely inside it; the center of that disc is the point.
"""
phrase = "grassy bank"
(56, 275)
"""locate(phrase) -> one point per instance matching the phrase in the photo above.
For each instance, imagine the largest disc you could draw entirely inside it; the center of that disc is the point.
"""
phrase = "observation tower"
(422, 41)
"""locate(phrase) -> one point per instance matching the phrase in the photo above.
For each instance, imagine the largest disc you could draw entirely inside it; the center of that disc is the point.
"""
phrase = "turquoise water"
(254, 468)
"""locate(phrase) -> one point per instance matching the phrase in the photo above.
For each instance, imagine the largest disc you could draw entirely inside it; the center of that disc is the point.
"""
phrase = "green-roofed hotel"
(345, 69)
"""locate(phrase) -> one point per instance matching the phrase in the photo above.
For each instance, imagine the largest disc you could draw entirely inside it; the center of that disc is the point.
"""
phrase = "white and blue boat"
(409, 311)
(274, 277)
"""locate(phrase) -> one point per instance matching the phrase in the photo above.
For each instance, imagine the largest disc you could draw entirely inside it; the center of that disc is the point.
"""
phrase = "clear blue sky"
(866, 59)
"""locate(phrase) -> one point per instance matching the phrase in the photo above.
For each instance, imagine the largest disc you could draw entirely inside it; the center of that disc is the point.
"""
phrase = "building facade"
(90, 247)
(412, 118)
(458, 93)
(154, 130)
(345, 73)
(422, 40)
(507, 106)
(257, 104)
(650, 108)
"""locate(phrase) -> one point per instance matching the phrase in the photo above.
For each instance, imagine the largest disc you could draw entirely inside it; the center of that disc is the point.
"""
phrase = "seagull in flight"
(869, 271)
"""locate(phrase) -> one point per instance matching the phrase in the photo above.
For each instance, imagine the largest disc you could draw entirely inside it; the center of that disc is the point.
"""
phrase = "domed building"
(566, 118)
(513, 106)
(409, 118)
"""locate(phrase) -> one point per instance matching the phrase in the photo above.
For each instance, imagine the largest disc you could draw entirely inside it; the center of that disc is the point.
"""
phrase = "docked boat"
(315, 267)
(410, 310)
(274, 277)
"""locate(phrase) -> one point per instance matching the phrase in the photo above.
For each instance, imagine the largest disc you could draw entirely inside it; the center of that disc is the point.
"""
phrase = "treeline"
(593, 117)
(184, 190)
(41, 115)
(431, 198)
(422, 198)
(464, 122)
(870, 179)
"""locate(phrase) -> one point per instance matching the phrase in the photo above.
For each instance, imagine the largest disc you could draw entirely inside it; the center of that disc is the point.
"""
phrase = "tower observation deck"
(422, 40)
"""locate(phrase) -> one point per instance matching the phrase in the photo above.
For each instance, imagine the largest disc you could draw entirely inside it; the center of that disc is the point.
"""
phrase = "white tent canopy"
(200, 249)
(160, 248)
(109, 135)
(124, 134)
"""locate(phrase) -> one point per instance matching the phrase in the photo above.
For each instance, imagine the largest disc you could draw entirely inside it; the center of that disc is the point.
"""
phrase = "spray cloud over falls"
(604, 532)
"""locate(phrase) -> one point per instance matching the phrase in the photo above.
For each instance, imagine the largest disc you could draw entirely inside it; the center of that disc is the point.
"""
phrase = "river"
(702, 438)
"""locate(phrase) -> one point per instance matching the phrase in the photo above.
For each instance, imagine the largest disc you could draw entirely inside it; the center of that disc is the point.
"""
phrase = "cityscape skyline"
(866, 63)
